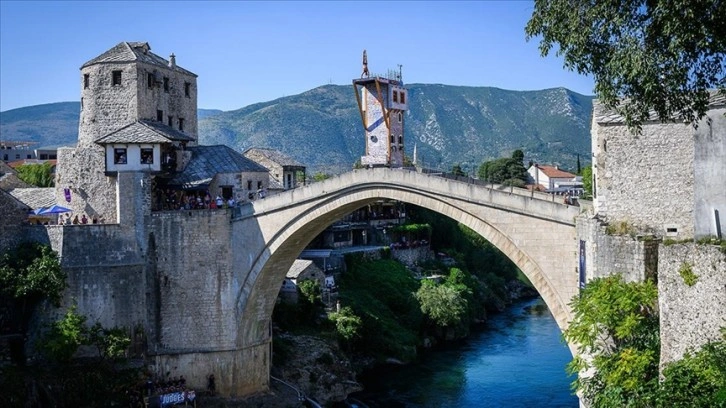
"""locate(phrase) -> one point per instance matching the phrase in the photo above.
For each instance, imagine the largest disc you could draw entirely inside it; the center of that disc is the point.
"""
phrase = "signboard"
(175, 398)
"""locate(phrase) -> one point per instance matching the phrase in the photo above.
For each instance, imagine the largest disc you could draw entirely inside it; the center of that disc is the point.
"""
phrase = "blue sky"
(247, 52)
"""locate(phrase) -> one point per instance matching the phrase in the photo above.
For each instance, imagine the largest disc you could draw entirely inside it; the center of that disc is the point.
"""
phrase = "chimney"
(172, 60)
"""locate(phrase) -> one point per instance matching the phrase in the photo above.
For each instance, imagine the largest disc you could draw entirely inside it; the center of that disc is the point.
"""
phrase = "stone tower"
(381, 103)
(138, 111)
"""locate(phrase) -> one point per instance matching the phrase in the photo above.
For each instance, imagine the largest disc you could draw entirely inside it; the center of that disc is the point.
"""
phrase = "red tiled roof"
(554, 172)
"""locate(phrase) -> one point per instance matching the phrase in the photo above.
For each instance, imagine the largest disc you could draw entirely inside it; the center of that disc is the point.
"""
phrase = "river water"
(517, 360)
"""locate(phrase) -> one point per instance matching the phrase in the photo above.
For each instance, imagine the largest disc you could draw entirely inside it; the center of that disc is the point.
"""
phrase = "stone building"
(666, 183)
(285, 172)
(138, 113)
(382, 103)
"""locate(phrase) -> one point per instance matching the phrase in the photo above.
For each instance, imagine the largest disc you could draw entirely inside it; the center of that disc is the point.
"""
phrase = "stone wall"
(411, 256)
(645, 180)
(106, 107)
(173, 103)
(668, 180)
(710, 172)
(690, 316)
(194, 275)
(81, 170)
(14, 216)
(635, 258)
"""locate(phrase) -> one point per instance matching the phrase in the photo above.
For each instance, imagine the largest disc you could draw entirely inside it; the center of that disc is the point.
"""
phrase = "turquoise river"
(517, 360)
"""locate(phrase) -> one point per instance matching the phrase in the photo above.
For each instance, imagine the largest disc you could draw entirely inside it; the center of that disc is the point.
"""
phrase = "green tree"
(507, 171)
(697, 380)
(661, 55)
(39, 175)
(518, 155)
(457, 171)
(616, 325)
(443, 304)
(319, 176)
(65, 336)
(587, 180)
(30, 274)
(347, 324)
(310, 290)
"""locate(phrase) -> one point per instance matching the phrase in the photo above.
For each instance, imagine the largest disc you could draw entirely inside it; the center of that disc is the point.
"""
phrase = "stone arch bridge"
(535, 232)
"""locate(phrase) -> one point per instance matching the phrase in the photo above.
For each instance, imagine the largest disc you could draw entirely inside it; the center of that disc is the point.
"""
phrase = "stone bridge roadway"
(535, 232)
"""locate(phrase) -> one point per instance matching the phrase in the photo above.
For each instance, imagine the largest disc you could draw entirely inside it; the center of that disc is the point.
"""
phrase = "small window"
(28, 156)
(400, 139)
(86, 80)
(393, 139)
(400, 117)
(160, 115)
(43, 156)
(116, 78)
(181, 124)
(187, 89)
(166, 84)
(150, 80)
(395, 96)
(5, 157)
(147, 155)
(170, 121)
(403, 97)
(259, 185)
(119, 156)
(249, 184)
(17, 157)
(81, 103)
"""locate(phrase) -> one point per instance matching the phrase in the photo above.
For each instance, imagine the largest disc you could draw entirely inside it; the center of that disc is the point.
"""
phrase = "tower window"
(400, 117)
(403, 97)
(187, 89)
(181, 124)
(150, 80)
(86, 80)
(119, 156)
(160, 115)
(395, 96)
(147, 155)
(170, 120)
(400, 139)
(166, 84)
(116, 77)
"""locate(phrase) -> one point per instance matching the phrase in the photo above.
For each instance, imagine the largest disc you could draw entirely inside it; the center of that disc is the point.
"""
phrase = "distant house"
(300, 270)
(284, 170)
(554, 180)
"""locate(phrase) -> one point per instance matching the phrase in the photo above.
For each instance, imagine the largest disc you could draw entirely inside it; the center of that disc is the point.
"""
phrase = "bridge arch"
(537, 234)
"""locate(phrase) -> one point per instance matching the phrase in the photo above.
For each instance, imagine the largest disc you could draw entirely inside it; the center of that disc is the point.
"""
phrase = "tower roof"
(145, 131)
(134, 52)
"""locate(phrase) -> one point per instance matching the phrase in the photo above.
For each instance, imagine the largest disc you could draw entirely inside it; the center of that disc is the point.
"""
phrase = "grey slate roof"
(145, 131)
(208, 161)
(606, 116)
(275, 156)
(35, 197)
(133, 52)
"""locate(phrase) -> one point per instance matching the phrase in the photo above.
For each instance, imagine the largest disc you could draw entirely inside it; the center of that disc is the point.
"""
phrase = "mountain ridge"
(449, 124)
